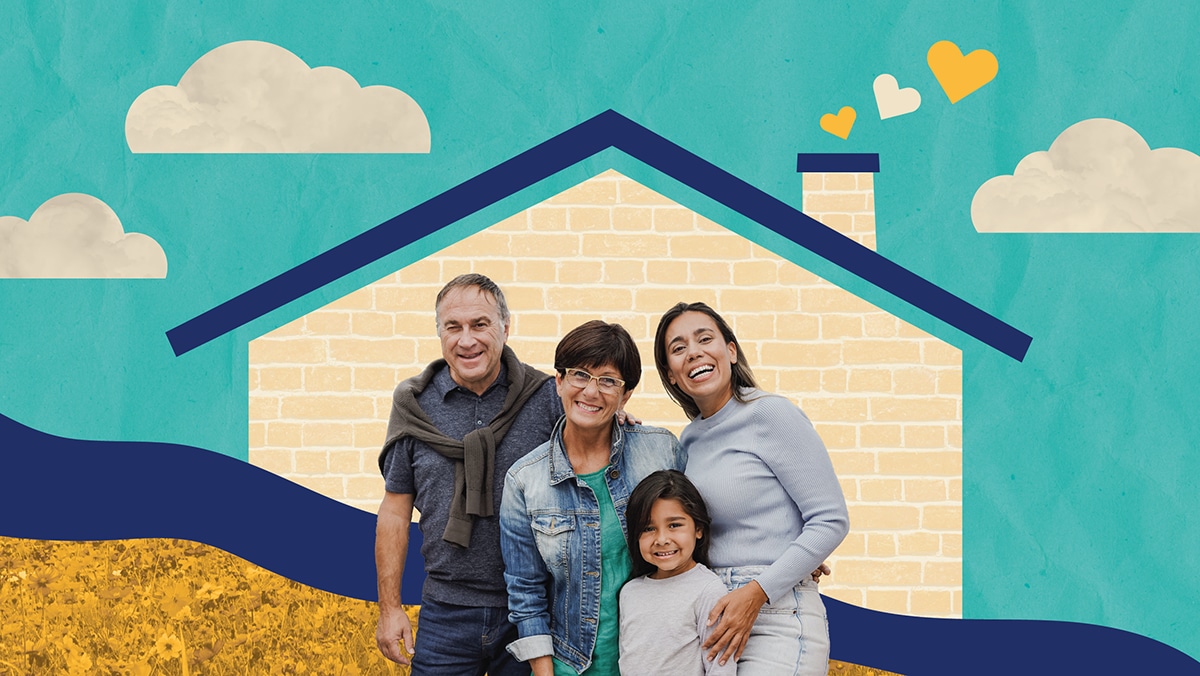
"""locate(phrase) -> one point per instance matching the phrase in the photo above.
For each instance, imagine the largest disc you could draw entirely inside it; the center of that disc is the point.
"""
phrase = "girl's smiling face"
(668, 540)
(699, 361)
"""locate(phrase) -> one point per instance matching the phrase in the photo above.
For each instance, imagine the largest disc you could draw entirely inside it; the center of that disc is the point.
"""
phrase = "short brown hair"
(741, 375)
(598, 343)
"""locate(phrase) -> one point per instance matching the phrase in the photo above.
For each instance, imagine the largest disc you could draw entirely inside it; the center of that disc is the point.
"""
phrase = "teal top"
(615, 569)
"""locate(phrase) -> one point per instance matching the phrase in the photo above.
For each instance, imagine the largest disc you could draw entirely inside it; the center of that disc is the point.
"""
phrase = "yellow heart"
(839, 125)
(960, 75)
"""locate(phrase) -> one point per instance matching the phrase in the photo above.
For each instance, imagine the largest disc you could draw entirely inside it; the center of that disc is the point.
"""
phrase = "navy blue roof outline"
(608, 129)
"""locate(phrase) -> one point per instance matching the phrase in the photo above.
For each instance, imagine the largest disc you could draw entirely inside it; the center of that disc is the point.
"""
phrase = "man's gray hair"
(483, 283)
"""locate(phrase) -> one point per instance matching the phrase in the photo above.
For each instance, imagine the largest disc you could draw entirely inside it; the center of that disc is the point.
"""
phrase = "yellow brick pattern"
(885, 396)
(844, 202)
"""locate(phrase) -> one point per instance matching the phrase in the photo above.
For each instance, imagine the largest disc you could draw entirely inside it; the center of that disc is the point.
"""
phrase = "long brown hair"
(741, 375)
(665, 484)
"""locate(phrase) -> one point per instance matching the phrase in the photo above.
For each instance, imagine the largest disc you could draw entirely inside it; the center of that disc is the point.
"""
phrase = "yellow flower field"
(144, 607)
(174, 607)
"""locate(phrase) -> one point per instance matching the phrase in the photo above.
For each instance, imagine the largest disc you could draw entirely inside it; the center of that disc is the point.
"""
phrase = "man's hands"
(625, 417)
(391, 548)
(394, 635)
(738, 609)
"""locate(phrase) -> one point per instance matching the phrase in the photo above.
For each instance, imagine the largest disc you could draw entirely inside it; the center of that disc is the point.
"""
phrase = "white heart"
(892, 100)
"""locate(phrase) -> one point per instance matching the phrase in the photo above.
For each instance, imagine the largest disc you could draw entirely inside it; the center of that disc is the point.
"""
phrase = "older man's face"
(472, 336)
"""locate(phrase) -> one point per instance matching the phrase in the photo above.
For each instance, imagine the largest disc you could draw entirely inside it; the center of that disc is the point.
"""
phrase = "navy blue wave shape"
(64, 489)
(927, 646)
(53, 488)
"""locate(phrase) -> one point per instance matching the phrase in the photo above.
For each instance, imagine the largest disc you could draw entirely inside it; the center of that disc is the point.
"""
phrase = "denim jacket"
(550, 538)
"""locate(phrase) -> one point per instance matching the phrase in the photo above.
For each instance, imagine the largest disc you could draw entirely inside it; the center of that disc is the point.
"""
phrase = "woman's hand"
(738, 609)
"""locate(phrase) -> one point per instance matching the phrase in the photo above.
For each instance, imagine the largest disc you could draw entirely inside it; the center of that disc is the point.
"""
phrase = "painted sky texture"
(1081, 475)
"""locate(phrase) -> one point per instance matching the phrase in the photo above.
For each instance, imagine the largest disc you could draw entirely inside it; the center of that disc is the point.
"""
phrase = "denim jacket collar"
(560, 464)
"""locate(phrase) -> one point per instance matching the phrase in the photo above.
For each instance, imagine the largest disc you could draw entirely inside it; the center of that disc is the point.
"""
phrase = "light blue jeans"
(790, 636)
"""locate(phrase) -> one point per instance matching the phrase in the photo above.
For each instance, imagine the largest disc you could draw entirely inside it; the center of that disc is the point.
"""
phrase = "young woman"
(562, 516)
(664, 612)
(777, 507)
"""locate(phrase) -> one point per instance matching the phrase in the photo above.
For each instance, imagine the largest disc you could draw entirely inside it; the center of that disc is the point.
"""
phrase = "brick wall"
(885, 396)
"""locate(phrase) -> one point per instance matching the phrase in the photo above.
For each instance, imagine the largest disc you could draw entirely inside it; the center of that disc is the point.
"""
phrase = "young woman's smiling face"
(669, 539)
(699, 361)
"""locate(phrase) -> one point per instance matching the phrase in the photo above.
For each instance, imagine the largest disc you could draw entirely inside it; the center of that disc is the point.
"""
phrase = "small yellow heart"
(960, 75)
(839, 125)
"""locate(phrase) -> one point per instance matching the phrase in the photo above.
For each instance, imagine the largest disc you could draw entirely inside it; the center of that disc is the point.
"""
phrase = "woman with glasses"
(562, 517)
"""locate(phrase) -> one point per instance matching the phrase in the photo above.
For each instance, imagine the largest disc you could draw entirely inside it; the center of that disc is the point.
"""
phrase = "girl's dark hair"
(666, 484)
(741, 374)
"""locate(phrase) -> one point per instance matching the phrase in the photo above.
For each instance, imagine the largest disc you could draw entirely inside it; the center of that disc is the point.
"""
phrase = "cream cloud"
(1099, 175)
(256, 97)
(76, 235)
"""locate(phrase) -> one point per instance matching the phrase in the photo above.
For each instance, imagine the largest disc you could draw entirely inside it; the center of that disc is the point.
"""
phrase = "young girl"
(664, 609)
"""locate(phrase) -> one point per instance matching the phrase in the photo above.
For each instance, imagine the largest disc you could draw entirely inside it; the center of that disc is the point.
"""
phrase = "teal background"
(1081, 474)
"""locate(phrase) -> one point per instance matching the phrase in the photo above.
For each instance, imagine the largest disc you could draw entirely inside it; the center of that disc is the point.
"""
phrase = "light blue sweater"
(770, 489)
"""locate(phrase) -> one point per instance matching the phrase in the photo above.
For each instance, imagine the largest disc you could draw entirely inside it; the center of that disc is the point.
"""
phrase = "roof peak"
(608, 129)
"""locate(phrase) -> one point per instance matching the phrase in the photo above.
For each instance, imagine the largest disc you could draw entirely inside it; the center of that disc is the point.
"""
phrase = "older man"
(453, 433)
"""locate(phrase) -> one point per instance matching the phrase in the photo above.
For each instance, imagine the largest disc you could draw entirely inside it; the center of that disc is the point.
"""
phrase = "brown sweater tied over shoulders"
(475, 456)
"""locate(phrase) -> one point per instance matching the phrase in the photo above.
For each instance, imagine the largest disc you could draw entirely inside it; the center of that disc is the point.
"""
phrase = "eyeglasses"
(580, 378)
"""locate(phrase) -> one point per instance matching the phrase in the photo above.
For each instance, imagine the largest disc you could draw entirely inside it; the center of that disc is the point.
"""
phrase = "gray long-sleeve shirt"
(663, 625)
(770, 488)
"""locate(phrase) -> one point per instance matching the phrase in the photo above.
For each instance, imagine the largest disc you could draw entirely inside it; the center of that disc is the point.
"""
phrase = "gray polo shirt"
(473, 576)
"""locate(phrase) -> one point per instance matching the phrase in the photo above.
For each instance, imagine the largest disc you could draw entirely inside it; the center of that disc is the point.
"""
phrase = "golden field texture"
(174, 607)
(142, 607)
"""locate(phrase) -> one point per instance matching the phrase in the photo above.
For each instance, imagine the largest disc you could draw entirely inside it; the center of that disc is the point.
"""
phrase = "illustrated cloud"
(1098, 176)
(256, 97)
(76, 235)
